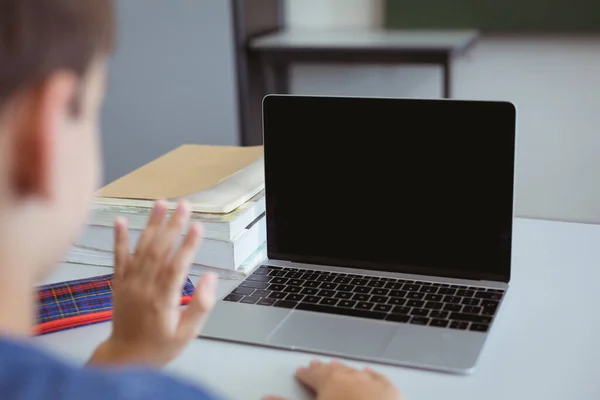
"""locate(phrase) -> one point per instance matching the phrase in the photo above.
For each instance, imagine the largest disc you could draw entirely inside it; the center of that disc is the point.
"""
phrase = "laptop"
(389, 231)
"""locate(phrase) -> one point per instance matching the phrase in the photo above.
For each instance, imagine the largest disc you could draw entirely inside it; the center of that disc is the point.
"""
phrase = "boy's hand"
(149, 326)
(336, 381)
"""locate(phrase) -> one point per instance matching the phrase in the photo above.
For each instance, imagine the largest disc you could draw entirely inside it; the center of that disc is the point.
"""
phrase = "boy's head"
(52, 75)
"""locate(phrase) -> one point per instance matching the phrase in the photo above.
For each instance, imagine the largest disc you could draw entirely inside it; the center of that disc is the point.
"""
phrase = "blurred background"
(186, 71)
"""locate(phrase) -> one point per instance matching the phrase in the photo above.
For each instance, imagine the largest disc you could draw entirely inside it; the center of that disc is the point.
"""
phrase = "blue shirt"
(29, 374)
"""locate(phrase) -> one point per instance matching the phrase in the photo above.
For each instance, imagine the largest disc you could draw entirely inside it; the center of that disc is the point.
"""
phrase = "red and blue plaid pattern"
(72, 304)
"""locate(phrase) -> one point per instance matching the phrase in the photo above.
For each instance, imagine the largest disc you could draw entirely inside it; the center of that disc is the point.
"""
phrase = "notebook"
(215, 179)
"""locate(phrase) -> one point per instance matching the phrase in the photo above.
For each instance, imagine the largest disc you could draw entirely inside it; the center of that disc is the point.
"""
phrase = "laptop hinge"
(407, 271)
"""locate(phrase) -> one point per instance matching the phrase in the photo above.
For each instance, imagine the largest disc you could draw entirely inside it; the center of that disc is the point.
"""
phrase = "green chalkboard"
(518, 16)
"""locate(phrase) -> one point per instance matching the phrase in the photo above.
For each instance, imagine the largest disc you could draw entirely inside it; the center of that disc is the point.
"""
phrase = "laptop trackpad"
(333, 334)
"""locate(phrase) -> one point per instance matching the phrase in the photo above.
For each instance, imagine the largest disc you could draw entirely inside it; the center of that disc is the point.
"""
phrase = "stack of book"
(223, 184)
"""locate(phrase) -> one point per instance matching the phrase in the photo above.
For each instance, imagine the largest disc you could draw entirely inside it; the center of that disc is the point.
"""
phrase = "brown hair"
(40, 37)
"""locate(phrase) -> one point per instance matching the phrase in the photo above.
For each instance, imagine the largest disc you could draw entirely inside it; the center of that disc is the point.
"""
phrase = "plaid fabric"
(72, 304)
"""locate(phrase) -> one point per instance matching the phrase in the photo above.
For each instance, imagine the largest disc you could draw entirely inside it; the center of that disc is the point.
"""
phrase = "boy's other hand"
(336, 381)
(149, 326)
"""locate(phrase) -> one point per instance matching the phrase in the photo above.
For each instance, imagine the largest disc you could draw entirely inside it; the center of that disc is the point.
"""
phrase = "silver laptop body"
(414, 310)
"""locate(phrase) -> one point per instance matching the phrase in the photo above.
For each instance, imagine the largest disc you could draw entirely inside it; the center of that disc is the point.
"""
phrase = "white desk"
(545, 344)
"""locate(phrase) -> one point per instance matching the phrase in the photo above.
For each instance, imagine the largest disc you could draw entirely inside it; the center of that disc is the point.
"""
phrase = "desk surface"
(345, 40)
(544, 344)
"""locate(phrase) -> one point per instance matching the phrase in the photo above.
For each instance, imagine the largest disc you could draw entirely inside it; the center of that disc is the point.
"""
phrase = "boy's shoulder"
(27, 373)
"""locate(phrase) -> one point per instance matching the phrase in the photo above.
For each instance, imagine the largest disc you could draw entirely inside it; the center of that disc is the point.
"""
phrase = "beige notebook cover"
(215, 179)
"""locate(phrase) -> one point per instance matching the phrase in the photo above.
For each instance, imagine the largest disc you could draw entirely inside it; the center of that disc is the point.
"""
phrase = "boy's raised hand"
(149, 326)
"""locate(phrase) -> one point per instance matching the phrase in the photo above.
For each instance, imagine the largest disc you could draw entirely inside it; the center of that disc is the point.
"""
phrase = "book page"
(232, 192)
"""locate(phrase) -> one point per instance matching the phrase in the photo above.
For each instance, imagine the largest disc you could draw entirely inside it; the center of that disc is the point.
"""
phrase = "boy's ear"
(43, 113)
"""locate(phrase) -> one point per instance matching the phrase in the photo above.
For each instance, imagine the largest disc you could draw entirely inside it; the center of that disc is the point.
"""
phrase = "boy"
(53, 57)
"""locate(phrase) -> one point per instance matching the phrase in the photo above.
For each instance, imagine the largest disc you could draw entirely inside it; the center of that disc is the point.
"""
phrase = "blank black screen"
(416, 186)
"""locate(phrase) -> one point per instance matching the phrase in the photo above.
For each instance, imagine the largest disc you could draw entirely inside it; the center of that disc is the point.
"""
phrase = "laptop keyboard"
(396, 300)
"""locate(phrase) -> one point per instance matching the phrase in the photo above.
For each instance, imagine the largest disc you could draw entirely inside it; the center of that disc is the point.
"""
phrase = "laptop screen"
(413, 186)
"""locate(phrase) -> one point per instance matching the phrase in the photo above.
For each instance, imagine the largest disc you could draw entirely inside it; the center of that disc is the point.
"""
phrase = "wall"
(172, 81)
(333, 13)
(553, 81)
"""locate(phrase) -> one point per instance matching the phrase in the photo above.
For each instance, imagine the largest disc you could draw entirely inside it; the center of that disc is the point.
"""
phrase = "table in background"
(544, 343)
(278, 51)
